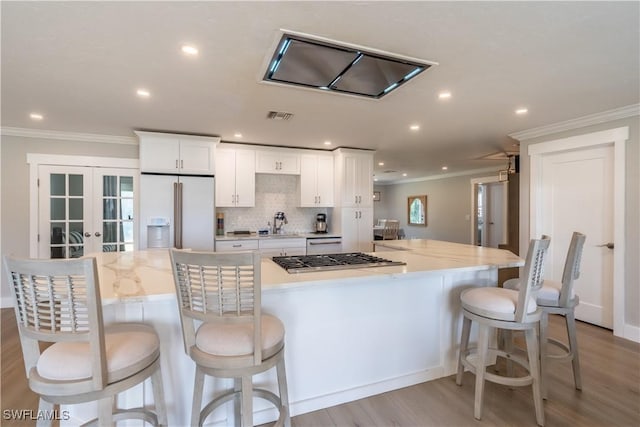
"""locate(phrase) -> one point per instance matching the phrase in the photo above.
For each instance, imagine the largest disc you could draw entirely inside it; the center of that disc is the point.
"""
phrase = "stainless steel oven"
(324, 245)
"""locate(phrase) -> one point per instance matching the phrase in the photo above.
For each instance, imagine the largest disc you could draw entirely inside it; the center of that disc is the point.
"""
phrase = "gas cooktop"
(324, 262)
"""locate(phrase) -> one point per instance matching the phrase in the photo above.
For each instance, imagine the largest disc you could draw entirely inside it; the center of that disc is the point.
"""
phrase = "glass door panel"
(83, 210)
(64, 208)
(117, 209)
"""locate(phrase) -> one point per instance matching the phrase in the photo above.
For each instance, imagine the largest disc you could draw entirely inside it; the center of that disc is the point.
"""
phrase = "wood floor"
(610, 395)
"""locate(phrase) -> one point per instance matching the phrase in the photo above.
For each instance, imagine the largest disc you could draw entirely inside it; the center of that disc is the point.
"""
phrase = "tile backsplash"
(274, 193)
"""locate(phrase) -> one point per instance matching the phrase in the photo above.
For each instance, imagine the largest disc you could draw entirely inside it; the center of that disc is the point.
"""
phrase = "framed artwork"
(417, 210)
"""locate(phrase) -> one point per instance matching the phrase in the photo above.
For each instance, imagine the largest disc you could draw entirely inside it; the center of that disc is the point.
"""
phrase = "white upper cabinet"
(316, 180)
(354, 178)
(179, 154)
(235, 177)
(279, 161)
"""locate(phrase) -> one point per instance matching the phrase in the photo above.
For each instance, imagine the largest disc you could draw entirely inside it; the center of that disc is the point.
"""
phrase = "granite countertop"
(146, 275)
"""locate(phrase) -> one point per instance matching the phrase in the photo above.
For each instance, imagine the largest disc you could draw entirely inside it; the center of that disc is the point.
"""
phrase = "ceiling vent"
(279, 115)
(306, 61)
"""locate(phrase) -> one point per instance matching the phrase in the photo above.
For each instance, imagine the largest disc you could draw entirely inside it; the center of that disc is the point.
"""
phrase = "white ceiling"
(80, 63)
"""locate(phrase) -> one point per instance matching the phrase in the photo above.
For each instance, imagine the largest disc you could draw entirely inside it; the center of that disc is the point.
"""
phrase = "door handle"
(606, 245)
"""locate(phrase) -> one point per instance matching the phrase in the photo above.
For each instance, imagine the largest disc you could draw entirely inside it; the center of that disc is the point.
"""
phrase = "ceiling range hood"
(307, 61)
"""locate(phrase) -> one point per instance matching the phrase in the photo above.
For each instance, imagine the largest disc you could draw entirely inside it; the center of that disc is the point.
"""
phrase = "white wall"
(448, 206)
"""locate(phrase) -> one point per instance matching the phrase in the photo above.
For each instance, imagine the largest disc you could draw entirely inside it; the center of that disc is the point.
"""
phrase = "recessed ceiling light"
(522, 111)
(414, 127)
(444, 95)
(327, 143)
(375, 179)
(189, 50)
(404, 174)
(380, 163)
(444, 168)
(36, 116)
(143, 93)
(237, 135)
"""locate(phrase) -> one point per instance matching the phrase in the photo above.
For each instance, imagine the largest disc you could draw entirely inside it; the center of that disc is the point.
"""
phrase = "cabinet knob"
(97, 234)
(87, 234)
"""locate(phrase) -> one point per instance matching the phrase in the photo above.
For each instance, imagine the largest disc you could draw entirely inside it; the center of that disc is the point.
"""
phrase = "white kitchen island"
(349, 333)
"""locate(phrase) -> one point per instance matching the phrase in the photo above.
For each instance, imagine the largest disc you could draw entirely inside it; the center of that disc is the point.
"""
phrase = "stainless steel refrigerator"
(178, 208)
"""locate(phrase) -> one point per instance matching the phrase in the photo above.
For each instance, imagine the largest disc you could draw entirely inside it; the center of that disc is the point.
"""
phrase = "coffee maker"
(321, 223)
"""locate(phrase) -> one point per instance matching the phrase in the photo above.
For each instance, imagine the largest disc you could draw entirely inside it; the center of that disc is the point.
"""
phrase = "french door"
(82, 210)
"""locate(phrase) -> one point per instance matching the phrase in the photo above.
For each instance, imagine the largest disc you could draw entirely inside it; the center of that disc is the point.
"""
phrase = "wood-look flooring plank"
(320, 418)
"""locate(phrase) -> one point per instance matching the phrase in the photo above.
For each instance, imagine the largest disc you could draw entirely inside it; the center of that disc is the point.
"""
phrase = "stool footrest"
(567, 353)
(257, 392)
(500, 379)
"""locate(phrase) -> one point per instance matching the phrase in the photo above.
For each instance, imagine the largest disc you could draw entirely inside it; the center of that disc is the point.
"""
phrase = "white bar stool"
(222, 293)
(58, 301)
(559, 298)
(498, 308)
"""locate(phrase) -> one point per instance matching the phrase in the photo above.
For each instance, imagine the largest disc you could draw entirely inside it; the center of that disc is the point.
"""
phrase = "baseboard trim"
(631, 332)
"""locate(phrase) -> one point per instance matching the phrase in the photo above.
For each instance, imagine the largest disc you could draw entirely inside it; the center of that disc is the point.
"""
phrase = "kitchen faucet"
(279, 216)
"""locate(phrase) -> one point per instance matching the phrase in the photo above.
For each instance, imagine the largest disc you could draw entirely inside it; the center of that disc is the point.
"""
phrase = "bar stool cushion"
(125, 347)
(236, 339)
(494, 303)
(548, 295)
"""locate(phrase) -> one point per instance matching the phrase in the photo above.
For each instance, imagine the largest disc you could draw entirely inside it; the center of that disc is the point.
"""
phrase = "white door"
(84, 209)
(577, 195)
(114, 209)
(495, 215)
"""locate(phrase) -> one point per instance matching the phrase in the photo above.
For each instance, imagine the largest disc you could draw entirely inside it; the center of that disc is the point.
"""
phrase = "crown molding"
(68, 136)
(436, 177)
(592, 119)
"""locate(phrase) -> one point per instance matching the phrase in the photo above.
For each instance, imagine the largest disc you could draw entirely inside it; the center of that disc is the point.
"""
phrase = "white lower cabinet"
(356, 228)
(236, 245)
(282, 247)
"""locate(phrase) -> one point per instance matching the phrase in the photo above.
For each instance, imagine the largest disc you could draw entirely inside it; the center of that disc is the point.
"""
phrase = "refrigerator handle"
(177, 215)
